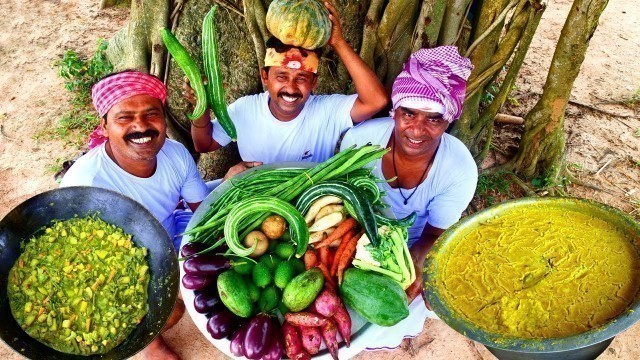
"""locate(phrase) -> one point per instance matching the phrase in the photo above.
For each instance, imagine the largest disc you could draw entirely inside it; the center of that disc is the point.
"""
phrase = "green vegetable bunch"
(390, 257)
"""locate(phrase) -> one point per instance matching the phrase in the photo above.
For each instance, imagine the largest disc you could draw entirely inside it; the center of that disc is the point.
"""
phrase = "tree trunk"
(480, 57)
(139, 45)
(488, 115)
(541, 149)
(383, 32)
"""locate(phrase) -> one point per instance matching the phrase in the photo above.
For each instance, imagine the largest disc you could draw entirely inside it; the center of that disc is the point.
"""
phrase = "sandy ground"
(604, 150)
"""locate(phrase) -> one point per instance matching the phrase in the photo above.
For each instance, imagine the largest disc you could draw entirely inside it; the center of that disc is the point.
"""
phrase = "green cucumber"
(186, 63)
(234, 293)
(215, 89)
(349, 193)
(303, 289)
(265, 205)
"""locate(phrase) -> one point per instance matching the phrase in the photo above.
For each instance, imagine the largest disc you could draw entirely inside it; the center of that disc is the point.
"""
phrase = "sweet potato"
(329, 334)
(343, 320)
(327, 303)
(311, 339)
(292, 342)
(305, 318)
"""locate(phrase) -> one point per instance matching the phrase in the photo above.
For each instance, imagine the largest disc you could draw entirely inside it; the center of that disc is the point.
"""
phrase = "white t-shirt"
(176, 176)
(311, 136)
(447, 190)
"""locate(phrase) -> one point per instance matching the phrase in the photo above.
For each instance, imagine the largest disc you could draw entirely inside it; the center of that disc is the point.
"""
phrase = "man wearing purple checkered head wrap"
(433, 80)
(427, 171)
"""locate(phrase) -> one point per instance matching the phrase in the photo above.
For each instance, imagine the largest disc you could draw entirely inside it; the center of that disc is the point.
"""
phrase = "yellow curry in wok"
(541, 273)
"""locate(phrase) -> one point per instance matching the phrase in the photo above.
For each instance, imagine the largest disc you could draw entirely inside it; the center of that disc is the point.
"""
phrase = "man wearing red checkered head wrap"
(137, 160)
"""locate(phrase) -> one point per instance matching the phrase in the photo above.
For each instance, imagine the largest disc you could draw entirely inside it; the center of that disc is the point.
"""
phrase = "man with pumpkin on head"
(287, 122)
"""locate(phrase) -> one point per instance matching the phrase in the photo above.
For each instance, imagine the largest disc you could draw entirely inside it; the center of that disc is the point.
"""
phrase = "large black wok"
(32, 215)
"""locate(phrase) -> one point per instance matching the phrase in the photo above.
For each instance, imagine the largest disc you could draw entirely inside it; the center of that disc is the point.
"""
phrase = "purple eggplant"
(275, 351)
(206, 265)
(192, 248)
(206, 302)
(222, 323)
(193, 282)
(256, 340)
(237, 341)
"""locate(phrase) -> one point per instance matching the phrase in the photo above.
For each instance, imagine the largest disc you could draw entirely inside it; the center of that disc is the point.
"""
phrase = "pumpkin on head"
(303, 23)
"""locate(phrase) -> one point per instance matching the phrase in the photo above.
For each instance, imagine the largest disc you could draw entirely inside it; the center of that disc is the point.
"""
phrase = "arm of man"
(372, 96)
(419, 251)
(201, 128)
(202, 134)
(194, 206)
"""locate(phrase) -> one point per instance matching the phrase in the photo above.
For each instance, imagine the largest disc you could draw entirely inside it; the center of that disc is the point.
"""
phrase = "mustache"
(296, 95)
(139, 135)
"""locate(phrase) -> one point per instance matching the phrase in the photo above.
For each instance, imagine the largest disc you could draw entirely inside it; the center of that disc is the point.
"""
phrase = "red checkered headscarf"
(113, 89)
(433, 80)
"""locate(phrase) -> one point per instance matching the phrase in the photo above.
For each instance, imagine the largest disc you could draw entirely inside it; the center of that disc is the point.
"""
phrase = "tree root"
(175, 14)
(493, 26)
(229, 7)
(523, 185)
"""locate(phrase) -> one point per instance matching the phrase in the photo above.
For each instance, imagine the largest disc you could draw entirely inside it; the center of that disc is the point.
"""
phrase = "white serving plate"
(363, 334)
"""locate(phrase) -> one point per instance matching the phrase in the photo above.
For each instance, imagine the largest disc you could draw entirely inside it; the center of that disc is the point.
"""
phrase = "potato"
(263, 243)
(273, 227)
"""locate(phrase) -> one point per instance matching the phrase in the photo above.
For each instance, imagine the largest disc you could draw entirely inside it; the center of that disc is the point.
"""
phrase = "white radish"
(326, 210)
(328, 221)
(319, 204)
(317, 236)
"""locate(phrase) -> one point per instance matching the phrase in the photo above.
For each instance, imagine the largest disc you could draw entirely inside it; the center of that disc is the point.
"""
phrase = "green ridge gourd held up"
(186, 63)
(215, 90)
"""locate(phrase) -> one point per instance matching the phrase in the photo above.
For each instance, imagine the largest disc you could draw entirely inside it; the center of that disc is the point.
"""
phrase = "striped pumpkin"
(303, 23)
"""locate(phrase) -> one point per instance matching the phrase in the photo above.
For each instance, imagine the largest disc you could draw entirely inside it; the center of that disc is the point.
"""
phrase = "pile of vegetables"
(286, 185)
(297, 247)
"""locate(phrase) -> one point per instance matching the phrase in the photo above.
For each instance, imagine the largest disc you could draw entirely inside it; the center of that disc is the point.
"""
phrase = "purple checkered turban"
(435, 80)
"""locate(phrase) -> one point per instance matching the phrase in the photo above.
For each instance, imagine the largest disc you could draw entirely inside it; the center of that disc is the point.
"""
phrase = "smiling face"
(136, 129)
(418, 132)
(288, 89)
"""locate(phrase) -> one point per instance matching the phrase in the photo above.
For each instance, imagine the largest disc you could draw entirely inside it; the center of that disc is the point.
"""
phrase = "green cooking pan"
(30, 217)
(587, 345)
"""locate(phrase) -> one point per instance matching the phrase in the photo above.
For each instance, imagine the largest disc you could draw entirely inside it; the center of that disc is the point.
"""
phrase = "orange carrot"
(332, 256)
(347, 256)
(343, 244)
(337, 233)
(310, 259)
(324, 255)
(328, 280)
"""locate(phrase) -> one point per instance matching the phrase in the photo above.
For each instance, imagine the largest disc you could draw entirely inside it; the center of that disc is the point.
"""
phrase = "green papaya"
(377, 298)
